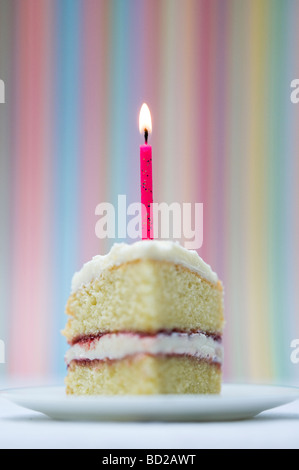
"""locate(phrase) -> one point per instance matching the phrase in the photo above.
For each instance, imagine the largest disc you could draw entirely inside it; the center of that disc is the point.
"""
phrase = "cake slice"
(146, 318)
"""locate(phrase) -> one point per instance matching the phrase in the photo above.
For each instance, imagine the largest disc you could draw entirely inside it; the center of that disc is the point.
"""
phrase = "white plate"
(234, 402)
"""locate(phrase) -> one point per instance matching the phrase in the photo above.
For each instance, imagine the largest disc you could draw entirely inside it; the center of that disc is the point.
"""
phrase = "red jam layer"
(95, 362)
(85, 339)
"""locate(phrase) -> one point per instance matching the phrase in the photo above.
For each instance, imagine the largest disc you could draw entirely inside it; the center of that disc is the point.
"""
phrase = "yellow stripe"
(260, 366)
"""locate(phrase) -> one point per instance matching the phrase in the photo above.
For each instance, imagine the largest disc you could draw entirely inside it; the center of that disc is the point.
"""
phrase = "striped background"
(216, 75)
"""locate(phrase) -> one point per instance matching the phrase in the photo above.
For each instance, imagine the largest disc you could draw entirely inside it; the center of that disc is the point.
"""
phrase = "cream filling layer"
(144, 249)
(119, 345)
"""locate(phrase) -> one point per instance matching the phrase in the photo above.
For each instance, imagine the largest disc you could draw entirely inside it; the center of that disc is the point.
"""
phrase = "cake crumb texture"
(144, 375)
(145, 296)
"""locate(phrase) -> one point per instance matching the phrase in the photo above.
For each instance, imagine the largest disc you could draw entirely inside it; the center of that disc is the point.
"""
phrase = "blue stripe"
(119, 120)
(290, 112)
(7, 126)
(66, 189)
(277, 186)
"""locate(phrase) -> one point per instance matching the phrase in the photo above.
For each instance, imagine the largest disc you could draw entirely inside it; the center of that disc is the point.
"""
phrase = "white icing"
(144, 249)
(119, 345)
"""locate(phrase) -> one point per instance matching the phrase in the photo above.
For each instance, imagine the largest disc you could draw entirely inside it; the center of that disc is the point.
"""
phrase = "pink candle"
(146, 177)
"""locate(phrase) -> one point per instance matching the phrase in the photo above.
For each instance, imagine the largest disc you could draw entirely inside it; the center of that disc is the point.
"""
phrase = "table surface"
(21, 428)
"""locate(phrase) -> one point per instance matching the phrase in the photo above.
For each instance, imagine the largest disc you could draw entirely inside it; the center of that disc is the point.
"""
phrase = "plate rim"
(219, 407)
(289, 389)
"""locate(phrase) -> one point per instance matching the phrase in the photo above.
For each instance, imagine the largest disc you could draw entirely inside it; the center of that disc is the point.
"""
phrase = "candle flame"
(145, 119)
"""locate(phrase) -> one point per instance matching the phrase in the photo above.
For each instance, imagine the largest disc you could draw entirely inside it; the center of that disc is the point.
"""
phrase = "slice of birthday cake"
(146, 318)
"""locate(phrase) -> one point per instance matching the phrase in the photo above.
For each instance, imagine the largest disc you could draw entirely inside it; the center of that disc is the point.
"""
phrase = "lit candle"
(146, 178)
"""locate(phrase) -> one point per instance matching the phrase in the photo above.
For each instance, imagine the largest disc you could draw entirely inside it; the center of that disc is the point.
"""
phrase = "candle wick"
(145, 135)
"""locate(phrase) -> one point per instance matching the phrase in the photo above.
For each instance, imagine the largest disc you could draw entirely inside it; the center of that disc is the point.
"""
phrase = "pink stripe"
(150, 82)
(210, 164)
(220, 161)
(94, 121)
(189, 110)
(28, 341)
(203, 104)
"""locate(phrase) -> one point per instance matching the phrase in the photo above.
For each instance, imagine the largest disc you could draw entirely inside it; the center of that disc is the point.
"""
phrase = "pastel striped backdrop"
(216, 75)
